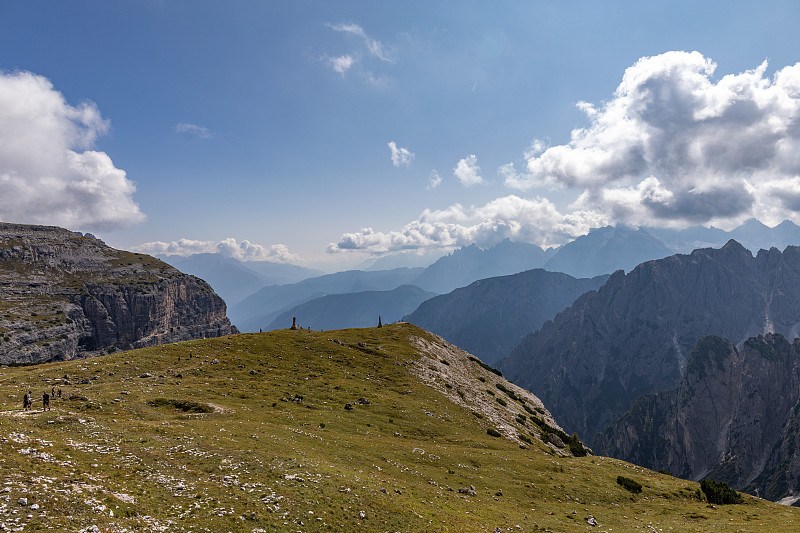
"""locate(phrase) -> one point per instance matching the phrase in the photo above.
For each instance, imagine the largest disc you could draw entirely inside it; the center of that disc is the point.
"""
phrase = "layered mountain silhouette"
(605, 250)
(234, 280)
(635, 334)
(472, 263)
(258, 310)
(491, 316)
(354, 310)
(602, 251)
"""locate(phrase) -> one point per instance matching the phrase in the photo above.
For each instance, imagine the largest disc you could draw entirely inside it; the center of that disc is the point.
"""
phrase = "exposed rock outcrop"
(634, 335)
(65, 296)
(734, 417)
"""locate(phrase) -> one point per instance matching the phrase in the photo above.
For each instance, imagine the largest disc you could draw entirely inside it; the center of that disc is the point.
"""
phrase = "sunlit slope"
(380, 429)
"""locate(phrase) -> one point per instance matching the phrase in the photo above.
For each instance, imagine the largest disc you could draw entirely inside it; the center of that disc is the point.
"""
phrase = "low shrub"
(186, 406)
(487, 367)
(629, 484)
(493, 432)
(718, 492)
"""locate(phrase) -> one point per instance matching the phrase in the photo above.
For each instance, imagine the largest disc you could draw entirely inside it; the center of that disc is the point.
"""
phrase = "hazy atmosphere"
(323, 134)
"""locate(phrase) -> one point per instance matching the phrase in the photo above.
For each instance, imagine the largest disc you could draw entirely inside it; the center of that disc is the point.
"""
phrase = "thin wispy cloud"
(434, 180)
(468, 172)
(194, 130)
(229, 247)
(401, 157)
(673, 146)
(373, 46)
(48, 172)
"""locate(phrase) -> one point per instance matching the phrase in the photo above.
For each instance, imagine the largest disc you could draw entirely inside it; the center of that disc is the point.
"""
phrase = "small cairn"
(294, 323)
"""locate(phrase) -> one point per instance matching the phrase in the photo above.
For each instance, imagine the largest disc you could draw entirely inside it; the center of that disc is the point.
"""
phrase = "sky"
(326, 133)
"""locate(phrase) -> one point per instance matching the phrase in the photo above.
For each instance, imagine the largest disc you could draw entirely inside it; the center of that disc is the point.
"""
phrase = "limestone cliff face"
(65, 296)
(635, 334)
(734, 417)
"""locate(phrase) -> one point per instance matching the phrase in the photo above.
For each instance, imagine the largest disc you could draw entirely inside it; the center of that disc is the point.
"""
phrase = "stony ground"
(353, 430)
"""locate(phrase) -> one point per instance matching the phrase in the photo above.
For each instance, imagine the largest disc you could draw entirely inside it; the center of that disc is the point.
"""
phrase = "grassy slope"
(258, 462)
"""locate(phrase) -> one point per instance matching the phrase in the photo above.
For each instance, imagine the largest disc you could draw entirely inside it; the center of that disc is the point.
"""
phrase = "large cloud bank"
(672, 147)
(520, 219)
(675, 147)
(230, 247)
(48, 174)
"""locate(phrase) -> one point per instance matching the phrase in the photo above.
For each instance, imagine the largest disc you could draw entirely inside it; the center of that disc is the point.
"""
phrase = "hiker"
(45, 402)
(59, 392)
(27, 402)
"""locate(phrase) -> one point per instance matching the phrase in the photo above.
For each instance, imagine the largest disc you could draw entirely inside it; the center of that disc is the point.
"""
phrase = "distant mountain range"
(354, 310)
(605, 250)
(258, 310)
(257, 292)
(489, 317)
(235, 280)
(471, 263)
(635, 334)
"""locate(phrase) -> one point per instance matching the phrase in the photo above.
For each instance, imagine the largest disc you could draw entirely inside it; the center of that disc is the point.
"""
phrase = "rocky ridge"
(66, 296)
(634, 335)
(734, 417)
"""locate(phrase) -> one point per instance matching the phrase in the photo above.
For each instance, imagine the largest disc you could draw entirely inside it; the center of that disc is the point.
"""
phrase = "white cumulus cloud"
(401, 157)
(468, 172)
(341, 64)
(48, 172)
(229, 247)
(676, 146)
(527, 220)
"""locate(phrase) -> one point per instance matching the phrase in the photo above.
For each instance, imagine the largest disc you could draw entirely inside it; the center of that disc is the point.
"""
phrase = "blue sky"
(327, 132)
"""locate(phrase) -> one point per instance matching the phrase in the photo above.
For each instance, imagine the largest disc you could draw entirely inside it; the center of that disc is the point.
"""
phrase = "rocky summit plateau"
(64, 296)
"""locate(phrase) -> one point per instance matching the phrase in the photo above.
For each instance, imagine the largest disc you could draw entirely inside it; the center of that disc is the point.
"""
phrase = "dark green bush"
(629, 484)
(187, 406)
(493, 432)
(525, 438)
(501, 401)
(719, 492)
(484, 365)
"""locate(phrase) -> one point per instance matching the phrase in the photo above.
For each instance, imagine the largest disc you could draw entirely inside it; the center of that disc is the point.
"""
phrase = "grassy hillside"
(251, 433)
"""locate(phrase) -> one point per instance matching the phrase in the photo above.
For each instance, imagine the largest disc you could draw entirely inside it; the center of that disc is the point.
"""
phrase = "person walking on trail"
(27, 402)
(45, 402)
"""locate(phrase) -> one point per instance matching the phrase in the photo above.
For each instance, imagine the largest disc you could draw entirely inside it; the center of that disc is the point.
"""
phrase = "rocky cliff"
(635, 334)
(734, 417)
(65, 296)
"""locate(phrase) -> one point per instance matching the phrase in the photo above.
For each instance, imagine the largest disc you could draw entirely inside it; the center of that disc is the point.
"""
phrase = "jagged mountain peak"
(635, 334)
